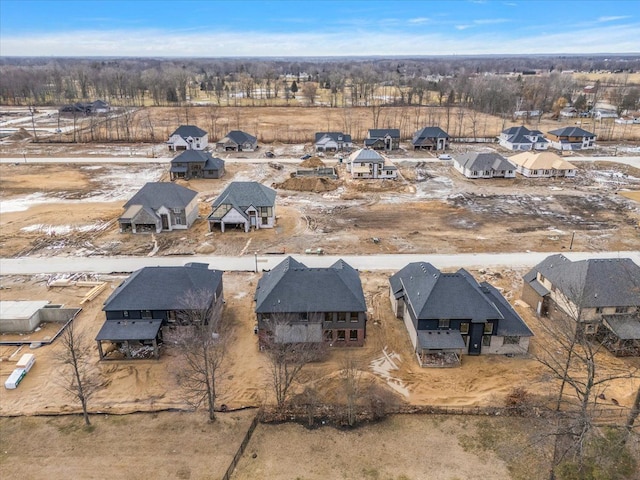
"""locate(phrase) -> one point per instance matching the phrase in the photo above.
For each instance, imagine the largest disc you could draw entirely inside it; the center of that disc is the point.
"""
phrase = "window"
(443, 323)
(146, 314)
(589, 328)
(265, 220)
(342, 316)
(511, 340)
(464, 328)
(328, 317)
(488, 328)
(341, 335)
(486, 340)
(328, 335)
(354, 317)
(353, 335)
(177, 210)
(621, 309)
(304, 317)
(599, 309)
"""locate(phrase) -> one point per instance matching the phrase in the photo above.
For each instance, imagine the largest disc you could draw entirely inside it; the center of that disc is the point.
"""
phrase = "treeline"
(493, 85)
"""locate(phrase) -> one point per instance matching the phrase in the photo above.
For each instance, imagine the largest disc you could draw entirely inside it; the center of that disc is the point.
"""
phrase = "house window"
(353, 335)
(328, 335)
(342, 316)
(589, 328)
(511, 340)
(171, 314)
(265, 220)
(621, 309)
(177, 210)
(599, 309)
(474, 173)
(443, 323)
(486, 340)
(328, 317)
(341, 335)
(125, 313)
(146, 314)
(488, 328)
(354, 317)
(464, 328)
(304, 317)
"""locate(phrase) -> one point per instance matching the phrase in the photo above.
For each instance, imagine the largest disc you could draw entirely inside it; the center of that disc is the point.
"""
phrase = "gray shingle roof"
(208, 161)
(429, 132)
(156, 194)
(293, 287)
(164, 288)
(121, 330)
(432, 294)
(511, 324)
(186, 131)
(611, 282)
(334, 136)
(240, 137)
(382, 132)
(571, 132)
(366, 155)
(484, 161)
(626, 327)
(241, 195)
(440, 340)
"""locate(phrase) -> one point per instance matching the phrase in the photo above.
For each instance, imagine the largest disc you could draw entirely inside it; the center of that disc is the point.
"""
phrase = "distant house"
(569, 112)
(196, 164)
(332, 142)
(542, 164)
(603, 113)
(572, 138)
(430, 138)
(521, 138)
(158, 207)
(366, 163)
(383, 139)
(156, 298)
(244, 205)
(188, 137)
(85, 108)
(484, 165)
(237, 141)
(450, 314)
(295, 303)
(601, 295)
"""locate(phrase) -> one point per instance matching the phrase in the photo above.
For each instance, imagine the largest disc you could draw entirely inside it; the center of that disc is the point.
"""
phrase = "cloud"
(613, 18)
(419, 20)
(359, 42)
(491, 21)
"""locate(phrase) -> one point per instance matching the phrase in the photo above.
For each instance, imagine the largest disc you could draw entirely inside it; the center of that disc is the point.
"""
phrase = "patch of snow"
(383, 366)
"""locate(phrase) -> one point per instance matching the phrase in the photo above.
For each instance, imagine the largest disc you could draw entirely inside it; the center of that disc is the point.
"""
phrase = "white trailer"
(15, 378)
(26, 361)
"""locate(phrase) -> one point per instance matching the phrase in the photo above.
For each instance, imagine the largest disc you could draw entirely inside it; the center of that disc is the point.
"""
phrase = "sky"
(234, 28)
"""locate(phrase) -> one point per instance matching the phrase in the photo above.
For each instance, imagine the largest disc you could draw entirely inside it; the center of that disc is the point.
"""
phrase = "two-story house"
(366, 163)
(383, 139)
(430, 138)
(602, 297)
(155, 298)
(196, 164)
(188, 137)
(522, 139)
(298, 304)
(450, 314)
(244, 205)
(572, 138)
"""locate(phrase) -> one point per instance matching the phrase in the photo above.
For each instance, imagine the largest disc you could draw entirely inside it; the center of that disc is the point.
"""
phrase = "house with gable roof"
(153, 299)
(572, 138)
(366, 163)
(383, 139)
(522, 139)
(542, 164)
(332, 142)
(196, 164)
(451, 314)
(244, 205)
(188, 137)
(430, 138)
(298, 304)
(237, 141)
(158, 207)
(484, 165)
(602, 297)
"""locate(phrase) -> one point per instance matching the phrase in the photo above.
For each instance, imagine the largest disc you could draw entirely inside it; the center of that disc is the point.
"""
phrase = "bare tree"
(351, 383)
(203, 339)
(309, 90)
(287, 354)
(77, 378)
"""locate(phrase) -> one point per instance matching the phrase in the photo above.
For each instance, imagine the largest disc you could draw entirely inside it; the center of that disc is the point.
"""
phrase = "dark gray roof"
(432, 294)
(519, 135)
(626, 327)
(121, 330)
(484, 161)
(571, 132)
(334, 136)
(186, 131)
(369, 142)
(156, 194)
(429, 132)
(440, 340)
(208, 161)
(241, 195)
(164, 288)
(530, 278)
(511, 324)
(240, 137)
(294, 287)
(366, 155)
(382, 132)
(611, 282)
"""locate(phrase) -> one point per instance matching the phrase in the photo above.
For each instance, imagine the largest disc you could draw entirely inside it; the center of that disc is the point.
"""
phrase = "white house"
(332, 141)
(572, 138)
(484, 165)
(188, 137)
(522, 139)
(542, 164)
(366, 163)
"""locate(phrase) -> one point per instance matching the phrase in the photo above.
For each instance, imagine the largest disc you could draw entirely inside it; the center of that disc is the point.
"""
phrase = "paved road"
(105, 265)
(631, 161)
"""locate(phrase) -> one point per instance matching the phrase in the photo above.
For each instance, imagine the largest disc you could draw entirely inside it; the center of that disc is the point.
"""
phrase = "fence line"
(241, 448)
